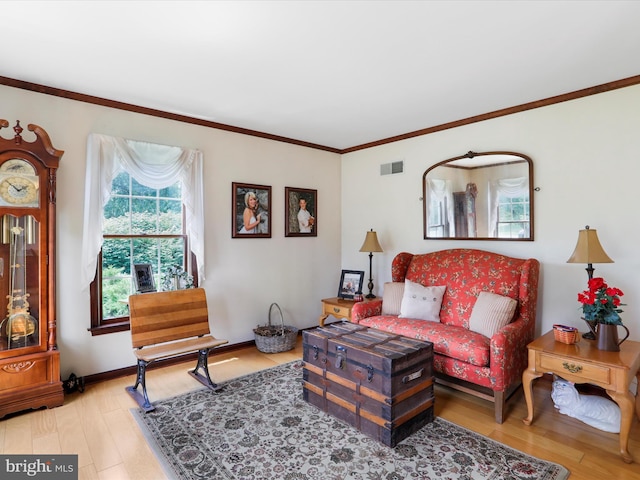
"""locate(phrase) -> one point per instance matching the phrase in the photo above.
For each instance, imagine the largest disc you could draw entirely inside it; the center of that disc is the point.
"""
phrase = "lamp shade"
(588, 249)
(371, 243)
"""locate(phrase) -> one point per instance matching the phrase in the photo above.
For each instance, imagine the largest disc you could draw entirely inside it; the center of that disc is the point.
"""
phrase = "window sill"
(110, 328)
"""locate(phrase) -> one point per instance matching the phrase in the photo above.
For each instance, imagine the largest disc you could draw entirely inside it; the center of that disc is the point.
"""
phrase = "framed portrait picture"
(250, 211)
(143, 277)
(350, 283)
(301, 212)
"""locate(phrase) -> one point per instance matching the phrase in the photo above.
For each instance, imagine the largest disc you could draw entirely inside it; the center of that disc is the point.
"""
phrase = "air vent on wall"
(392, 168)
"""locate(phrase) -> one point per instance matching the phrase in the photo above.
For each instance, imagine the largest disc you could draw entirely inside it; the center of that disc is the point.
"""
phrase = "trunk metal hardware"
(340, 357)
(369, 373)
(413, 376)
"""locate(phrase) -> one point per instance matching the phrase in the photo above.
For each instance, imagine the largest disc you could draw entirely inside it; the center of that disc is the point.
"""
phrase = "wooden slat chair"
(168, 324)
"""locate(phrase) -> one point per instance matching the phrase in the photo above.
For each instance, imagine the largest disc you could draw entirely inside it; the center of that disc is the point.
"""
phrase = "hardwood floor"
(98, 426)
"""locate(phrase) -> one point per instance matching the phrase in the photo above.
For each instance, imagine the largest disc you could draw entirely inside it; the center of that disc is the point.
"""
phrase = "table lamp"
(588, 250)
(371, 245)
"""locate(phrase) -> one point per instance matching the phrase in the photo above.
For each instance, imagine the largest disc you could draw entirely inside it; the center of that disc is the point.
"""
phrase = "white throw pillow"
(421, 302)
(392, 298)
(491, 312)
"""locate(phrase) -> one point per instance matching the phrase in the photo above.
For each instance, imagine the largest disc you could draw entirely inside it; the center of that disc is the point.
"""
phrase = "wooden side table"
(584, 363)
(338, 307)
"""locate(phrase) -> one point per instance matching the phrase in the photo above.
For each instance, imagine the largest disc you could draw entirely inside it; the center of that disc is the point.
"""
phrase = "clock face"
(19, 191)
(19, 183)
(17, 166)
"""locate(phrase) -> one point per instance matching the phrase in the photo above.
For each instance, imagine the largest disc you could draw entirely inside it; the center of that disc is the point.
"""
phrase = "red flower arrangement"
(601, 302)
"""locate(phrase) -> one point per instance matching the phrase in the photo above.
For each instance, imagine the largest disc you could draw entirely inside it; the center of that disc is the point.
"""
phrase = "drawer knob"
(573, 368)
(336, 309)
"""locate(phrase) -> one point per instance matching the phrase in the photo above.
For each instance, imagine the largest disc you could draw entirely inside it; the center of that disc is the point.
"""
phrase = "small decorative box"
(565, 334)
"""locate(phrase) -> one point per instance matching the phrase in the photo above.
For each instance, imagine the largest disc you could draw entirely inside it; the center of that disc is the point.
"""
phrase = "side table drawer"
(337, 310)
(585, 371)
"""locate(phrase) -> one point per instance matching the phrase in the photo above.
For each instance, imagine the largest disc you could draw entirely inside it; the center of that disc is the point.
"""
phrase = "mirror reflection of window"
(439, 210)
(509, 207)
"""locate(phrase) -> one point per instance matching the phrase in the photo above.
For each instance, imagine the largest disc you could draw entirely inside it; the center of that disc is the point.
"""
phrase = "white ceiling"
(333, 73)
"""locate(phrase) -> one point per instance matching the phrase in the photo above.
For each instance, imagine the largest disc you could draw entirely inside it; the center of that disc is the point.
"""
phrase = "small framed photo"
(301, 212)
(350, 283)
(250, 211)
(143, 278)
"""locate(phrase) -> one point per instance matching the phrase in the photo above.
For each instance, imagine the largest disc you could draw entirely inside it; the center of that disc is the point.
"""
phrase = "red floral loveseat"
(489, 367)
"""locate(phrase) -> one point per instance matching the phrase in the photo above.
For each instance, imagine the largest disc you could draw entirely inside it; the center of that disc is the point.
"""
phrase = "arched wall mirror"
(479, 196)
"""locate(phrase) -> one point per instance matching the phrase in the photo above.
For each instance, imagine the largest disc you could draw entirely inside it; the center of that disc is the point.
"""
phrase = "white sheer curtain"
(440, 195)
(509, 187)
(152, 165)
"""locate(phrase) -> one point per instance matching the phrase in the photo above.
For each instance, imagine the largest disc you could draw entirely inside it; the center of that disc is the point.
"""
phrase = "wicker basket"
(274, 339)
(564, 334)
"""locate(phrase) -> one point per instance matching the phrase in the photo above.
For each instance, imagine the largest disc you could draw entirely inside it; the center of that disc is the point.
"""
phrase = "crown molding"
(80, 97)
(585, 92)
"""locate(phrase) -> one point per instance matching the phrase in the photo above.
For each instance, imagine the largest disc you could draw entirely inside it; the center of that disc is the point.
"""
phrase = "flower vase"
(590, 335)
(607, 337)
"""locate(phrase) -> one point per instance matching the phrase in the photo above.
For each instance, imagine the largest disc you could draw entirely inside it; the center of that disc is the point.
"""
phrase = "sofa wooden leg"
(498, 398)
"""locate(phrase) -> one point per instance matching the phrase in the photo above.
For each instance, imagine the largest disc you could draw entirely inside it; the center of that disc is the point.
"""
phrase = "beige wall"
(586, 156)
(243, 276)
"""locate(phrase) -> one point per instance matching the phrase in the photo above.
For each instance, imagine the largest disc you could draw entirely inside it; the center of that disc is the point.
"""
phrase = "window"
(143, 205)
(513, 217)
(437, 221)
(438, 208)
(140, 225)
(509, 208)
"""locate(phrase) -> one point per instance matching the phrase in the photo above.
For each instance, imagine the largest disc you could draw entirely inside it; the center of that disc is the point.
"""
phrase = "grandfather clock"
(29, 359)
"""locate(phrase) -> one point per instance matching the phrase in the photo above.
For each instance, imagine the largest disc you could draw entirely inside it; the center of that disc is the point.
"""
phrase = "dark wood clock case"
(29, 359)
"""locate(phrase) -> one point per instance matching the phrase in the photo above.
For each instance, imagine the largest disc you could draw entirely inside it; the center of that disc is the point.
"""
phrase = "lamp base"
(370, 284)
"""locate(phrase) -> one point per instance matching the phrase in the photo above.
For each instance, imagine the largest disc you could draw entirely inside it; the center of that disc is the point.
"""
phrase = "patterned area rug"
(259, 427)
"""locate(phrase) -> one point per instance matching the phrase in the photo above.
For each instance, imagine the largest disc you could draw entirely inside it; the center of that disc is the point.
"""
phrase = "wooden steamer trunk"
(378, 382)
